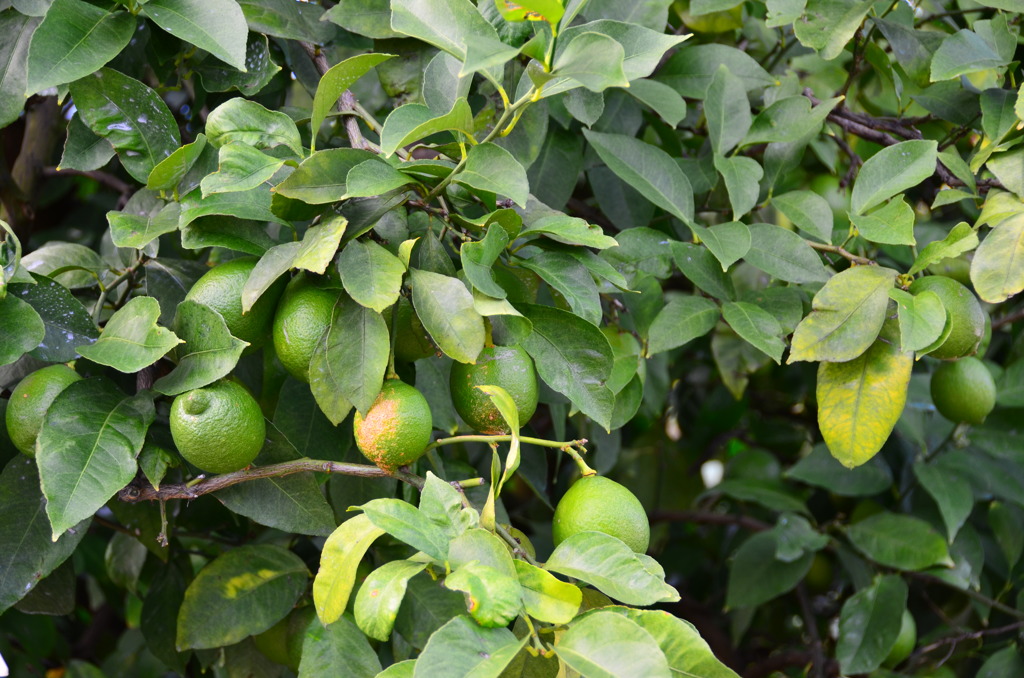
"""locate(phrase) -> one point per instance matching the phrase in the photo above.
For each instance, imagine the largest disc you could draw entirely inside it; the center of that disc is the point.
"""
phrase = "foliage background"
(739, 171)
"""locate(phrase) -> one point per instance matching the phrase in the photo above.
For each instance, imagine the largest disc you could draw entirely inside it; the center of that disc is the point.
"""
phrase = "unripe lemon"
(303, 315)
(963, 390)
(396, 429)
(221, 289)
(905, 641)
(218, 428)
(29, 401)
(282, 642)
(509, 367)
(599, 504)
(966, 317)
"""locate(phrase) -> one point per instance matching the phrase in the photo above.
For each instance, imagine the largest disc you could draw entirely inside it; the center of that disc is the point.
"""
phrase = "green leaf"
(23, 329)
(703, 270)
(319, 245)
(604, 644)
(683, 319)
(571, 279)
(373, 177)
(922, 319)
(900, 541)
(350, 359)
(442, 504)
(371, 18)
(462, 648)
(493, 597)
(963, 52)
(338, 649)
(240, 121)
(260, 70)
(292, 503)
(210, 352)
(240, 593)
(569, 230)
(757, 326)
(952, 494)
(891, 171)
(610, 566)
(661, 98)
(648, 169)
(1007, 167)
(809, 211)
(320, 178)
(380, 596)
(218, 26)
(74, 39)
(860, 401)
(272, 265)
(962, 238)
(464, 33)
(757, 576)
(83, 150)
(286, 19)
(593, 60)
(30, 555)
(727, 111)
(795, 537)
(340, 557)
(407, 523)
(687, 653)
(1005, 662)
(144, 219)
(742, 176)
(131, 339)
(72, 265)
(846, 316)
(821, 469)
(87, 447)
(412, 122)
(643, 48)
(997, 270)
(784, 255)
(788, 119)
(67, 323)
(729, 242)
(241, 168)
(892, 224)
(251, 206)
(767, 493)
(493, 169)
(335, 81)
(545, 597)
(479, 256)
(17, 30)
(371, 275)
(572, 357)
(445, 307)
(131, 116)
(404, 669)
(690, 70)
(169, 172)
(828, 25)
(869, 624)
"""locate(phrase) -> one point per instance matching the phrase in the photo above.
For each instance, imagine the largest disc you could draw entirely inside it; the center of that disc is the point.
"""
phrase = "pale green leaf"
(891, 171)
(131, 339)
(997, 270)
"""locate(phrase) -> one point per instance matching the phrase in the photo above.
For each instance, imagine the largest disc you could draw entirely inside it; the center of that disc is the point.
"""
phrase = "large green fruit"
(599, 504)
(509, 367)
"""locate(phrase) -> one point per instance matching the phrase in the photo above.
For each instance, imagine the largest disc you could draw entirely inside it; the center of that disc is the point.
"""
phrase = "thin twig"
(346, 103)
(105, 178)
(836, 249)
(973, 635)
(135, 493)
(1008, 319)
(540, 442)
(970, 593)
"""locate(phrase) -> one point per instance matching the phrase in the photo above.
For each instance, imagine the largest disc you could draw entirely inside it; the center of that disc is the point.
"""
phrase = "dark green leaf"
(951, 493)
(350, 359)
(963, 52)
(571, 279)
(320, 178)
(493, 169)
(412, 122)
(17, 30)
(756, 326)
(821, 469)
(373, 177)
(827, 25)
(371, 275)
(701, 267)
(727, 111)
(336, 80)
(23, 329)
(371, 18)
(218, 26)
(900, 541)
(260, 70)
(209, 353)
(240, 121)
(72, 265)
(690, 70)
(172, 169)
(67, 322)
(445, 307)
(241, 168)
(144, 219)
(891, 171)
(869, 624)
(756, 576)
(569, 230)
(84, 150)
(728, 241)
(339, 649)
(285, 19)
(742, 176)
(479, 256)
(683, 319)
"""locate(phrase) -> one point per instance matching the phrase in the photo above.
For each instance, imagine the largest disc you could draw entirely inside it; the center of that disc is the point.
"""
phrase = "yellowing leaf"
(859, 401)
(997, 271)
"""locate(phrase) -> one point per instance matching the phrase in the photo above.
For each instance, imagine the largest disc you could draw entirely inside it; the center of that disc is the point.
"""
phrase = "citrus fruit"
(221, 289)
(905, 641)
(963, 390)
(599, 504)
(218, 428)
(509, 367)
(302, 316)
(282, 642)
(396, 429)
(29, 401)
(412, 342)
(966, 317)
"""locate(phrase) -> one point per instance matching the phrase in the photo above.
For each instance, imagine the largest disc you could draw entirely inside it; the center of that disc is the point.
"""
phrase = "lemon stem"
(584, 469)
(540, 442)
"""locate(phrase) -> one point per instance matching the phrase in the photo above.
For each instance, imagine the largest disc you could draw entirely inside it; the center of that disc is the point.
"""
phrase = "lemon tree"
(474, 337)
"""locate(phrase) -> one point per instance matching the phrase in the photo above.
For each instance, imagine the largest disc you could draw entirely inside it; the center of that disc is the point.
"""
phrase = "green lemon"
(966, 317)
(218, 428)
(396, 429)
(282, 642)
(599, 504)
(509, 367)
(221, 289)
(905, 641)
(302, 316)
(29, 401)
(963, 390)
